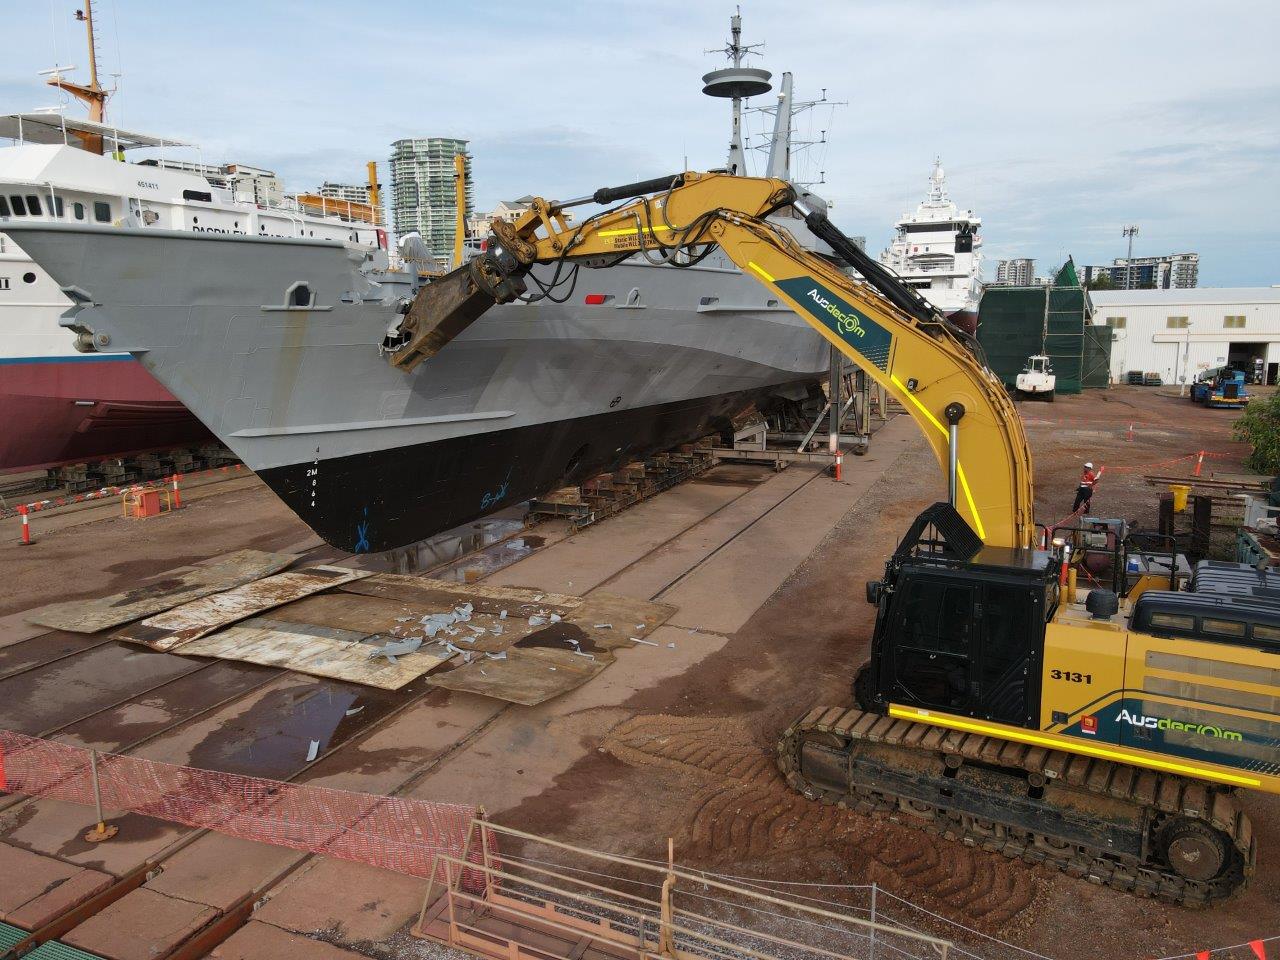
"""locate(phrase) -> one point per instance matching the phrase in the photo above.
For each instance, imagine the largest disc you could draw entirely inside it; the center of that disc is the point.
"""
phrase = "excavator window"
(966, 644)
(1009, 639)
(932, 655)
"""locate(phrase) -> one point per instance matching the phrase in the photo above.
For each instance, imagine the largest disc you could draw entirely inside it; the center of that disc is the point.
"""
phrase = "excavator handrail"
(884, 328)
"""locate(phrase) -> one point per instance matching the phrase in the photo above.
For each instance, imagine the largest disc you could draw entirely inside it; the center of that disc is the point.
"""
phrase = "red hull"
(61, 410)
(966, 320)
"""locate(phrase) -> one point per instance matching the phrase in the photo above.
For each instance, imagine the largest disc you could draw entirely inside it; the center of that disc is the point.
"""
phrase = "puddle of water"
(274, 737)
(493, 558)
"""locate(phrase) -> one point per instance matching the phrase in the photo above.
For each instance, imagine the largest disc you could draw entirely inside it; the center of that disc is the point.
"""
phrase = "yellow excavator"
(1106, 734)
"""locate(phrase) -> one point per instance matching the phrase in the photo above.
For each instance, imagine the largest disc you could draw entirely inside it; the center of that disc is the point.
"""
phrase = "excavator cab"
(960, 625)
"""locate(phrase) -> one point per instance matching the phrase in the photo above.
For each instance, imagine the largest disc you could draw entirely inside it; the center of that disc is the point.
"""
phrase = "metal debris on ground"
(397, 648)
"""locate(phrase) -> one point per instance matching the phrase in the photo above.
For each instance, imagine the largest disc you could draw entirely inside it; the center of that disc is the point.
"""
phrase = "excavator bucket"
(445, 307)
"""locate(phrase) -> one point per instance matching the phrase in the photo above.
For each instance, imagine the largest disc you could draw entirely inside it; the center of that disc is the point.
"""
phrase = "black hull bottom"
(376, 501)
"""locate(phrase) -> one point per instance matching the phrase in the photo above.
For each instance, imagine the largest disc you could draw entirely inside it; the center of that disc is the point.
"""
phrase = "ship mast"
(92, 94)
(736, 83)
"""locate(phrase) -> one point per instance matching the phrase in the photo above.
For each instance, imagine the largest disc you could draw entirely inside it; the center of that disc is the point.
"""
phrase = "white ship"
(63, 406)
(936, 251)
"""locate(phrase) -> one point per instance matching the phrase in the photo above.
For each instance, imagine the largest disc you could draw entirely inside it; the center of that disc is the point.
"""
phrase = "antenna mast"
(92, 94)
(736, 83)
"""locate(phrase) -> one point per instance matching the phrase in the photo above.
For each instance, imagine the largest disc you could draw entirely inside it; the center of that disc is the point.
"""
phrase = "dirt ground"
(687, 750)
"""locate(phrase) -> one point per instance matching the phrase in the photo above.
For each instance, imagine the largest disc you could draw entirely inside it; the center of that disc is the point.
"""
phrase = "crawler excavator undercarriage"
(1109, 735)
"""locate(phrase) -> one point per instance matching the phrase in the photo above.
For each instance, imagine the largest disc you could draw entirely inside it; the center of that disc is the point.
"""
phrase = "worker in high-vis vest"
(1084, 493)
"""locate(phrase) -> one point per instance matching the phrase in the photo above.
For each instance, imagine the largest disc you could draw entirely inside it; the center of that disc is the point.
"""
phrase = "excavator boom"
(881, 326)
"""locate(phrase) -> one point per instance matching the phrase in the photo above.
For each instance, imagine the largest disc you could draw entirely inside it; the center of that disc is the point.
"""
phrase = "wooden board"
(175, 628)
(337, 654)
(160, 593)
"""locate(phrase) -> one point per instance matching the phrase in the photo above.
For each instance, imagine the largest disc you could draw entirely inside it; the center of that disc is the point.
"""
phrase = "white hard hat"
(1089, 465)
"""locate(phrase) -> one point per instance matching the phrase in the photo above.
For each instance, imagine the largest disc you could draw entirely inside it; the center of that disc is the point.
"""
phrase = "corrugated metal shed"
(1017, 322)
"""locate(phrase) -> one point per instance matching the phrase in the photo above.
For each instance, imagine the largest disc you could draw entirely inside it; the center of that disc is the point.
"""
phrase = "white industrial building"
(1180, 333)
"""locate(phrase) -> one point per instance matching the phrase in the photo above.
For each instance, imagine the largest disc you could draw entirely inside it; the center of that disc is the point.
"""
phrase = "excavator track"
(1157, 835)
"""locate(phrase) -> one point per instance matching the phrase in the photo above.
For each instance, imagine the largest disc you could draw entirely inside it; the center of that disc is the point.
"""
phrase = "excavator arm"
(883, 327)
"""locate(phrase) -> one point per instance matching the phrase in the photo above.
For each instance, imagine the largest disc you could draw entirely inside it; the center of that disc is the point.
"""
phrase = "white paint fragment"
(313, 751)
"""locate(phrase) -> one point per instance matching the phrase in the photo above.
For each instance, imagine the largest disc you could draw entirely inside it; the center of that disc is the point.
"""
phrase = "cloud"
(1056, 125)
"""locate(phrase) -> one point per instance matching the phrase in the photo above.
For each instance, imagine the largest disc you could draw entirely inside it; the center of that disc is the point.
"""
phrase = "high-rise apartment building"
(422, 189)
(1176, 271)
(1016, 273)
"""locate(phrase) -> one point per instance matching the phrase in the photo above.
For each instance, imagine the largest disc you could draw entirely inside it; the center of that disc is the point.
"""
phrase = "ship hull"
(60, 410)
(372, 457)
(382, 499)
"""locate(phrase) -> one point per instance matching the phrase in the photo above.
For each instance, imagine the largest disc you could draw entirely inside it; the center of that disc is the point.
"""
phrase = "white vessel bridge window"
(4, 207)
(33, 205)
(77, 209)
(101, 211)
(59, 208)
(19, 205)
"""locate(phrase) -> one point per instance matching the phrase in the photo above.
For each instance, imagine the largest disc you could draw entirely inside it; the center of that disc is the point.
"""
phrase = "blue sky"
(1057, 123)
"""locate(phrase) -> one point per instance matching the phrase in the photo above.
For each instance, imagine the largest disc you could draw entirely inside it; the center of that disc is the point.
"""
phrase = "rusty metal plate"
(175, 628)
(161, 593)
(327, 652)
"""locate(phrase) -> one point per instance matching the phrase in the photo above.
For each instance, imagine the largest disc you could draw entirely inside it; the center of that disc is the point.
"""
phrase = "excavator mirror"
(874, 588)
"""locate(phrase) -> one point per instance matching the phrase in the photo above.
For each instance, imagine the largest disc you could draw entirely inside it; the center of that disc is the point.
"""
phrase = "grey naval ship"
(274, 344)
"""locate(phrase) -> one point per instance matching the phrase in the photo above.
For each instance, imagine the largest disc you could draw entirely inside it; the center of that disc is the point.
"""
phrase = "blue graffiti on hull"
(494, 497)
(362, 534)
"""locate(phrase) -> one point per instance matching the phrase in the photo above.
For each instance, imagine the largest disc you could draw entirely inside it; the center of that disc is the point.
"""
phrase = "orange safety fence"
(395, 833)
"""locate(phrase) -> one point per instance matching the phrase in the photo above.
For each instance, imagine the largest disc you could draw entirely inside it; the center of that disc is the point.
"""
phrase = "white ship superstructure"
(937, 251)
(62, 405)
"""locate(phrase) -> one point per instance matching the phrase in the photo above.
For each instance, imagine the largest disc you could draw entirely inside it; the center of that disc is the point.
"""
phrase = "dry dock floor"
(767, 571)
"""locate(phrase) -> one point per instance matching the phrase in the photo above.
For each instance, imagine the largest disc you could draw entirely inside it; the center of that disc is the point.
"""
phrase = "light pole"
(1130, 231)
(1186, 360)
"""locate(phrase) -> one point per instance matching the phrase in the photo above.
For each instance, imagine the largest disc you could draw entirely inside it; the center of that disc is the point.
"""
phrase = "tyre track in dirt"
(743, 806)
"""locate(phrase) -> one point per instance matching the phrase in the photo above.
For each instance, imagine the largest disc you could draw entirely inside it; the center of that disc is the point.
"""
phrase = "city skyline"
(1183, 151)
